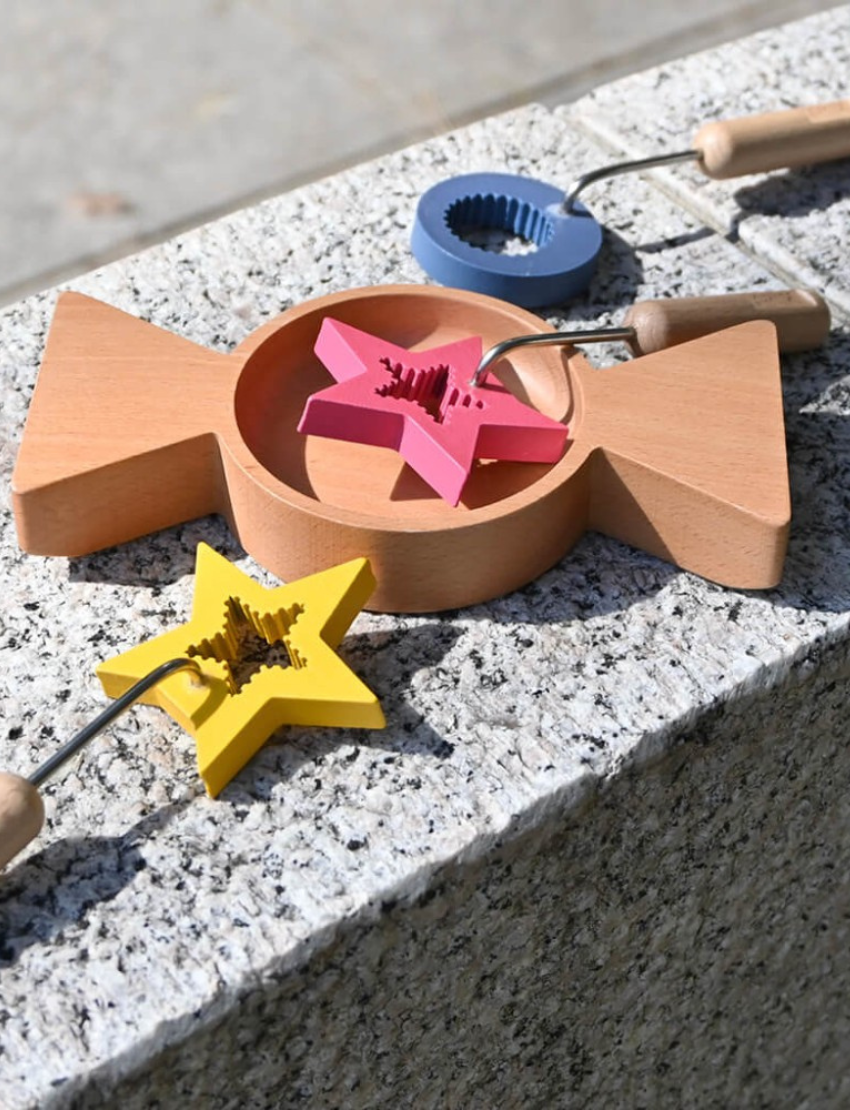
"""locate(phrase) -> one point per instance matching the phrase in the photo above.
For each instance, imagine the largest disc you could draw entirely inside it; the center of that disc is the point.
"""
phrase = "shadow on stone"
(794, 193)
(158, 559)
(388, 663)
(57, 886)
(619, 272)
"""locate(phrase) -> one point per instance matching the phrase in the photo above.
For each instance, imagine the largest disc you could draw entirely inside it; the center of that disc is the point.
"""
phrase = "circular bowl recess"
(338, 500)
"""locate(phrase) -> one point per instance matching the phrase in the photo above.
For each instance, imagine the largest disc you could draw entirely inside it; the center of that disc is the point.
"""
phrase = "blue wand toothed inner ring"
(566, 244)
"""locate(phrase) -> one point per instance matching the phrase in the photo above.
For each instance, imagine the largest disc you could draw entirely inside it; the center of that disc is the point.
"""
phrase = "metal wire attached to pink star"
(420, 404)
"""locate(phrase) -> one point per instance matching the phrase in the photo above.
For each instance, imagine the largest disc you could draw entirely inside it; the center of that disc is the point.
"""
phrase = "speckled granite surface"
(795, 220)
(597, 857)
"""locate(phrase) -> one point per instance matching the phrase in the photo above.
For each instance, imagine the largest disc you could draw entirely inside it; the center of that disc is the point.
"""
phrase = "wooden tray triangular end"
(690, 461)
(119, 439)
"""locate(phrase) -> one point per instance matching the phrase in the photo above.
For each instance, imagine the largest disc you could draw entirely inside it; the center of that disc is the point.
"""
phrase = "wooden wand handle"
(775, 140)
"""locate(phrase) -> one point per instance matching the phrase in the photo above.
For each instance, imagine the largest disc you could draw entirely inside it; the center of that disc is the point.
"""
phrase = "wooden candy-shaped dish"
(680, 452)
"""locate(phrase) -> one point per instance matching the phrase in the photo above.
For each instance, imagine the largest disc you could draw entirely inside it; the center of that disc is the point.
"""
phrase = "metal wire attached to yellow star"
(238, 702)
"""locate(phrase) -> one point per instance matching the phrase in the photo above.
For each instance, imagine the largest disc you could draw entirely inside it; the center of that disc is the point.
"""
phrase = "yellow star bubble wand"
(230, 719)
(201, 674)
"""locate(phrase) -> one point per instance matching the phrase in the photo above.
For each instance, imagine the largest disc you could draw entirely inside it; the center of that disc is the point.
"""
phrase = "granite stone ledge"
(154, 942)
(680, 939)
(795, 221)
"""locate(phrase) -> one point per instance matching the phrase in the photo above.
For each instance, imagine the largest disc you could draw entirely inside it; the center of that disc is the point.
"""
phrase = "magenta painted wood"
(420, 404)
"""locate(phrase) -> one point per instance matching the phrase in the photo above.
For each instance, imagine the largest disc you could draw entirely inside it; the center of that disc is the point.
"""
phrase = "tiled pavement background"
(122, 123)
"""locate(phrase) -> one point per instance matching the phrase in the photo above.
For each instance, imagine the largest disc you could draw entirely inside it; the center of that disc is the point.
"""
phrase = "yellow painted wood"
(230, 724)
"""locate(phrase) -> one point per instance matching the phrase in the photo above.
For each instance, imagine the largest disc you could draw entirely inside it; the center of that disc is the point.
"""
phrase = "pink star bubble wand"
(421, 404)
